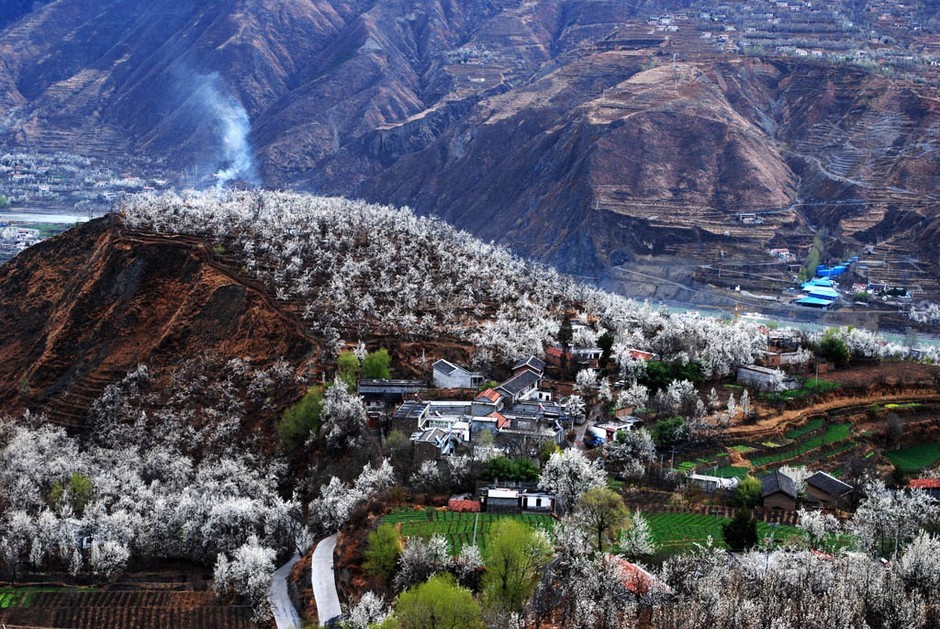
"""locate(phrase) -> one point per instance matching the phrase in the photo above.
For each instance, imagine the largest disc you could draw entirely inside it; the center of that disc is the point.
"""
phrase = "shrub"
(382, 551)
(741, 532)
(748, 493)
(301, 419)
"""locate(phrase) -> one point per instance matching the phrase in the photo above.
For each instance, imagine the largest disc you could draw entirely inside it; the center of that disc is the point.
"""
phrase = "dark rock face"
(548, 126)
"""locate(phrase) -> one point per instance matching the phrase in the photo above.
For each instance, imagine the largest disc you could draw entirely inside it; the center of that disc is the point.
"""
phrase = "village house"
(516, 499)
(486, 402)
(379, 395)
(827, 490)
(573, 356)
(639, 581)
(536, 365)
(778, 491)
(447, 375)
(522, 386)
(433, 443)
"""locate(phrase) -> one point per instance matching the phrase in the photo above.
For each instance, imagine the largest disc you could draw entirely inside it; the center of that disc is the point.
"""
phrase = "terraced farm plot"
(834, 433)
(459, 527)
(916, 458)
(676, 532)
(80, 609)
(811, 426)
(810, 386)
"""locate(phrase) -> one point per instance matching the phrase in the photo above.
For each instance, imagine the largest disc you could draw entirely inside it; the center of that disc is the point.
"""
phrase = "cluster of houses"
(516, 411)
(823, 491)
(14, 239)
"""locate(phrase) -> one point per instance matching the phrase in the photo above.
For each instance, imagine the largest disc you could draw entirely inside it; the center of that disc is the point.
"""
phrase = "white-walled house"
(448, 375)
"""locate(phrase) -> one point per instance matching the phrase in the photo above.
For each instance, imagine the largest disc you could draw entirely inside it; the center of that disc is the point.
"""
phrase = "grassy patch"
(743, 449)
(771, 444)
(893, 406)
(677, 532)
(810, 387)
(458, 528)
(23, 596)
(730, 471)
(916, 458)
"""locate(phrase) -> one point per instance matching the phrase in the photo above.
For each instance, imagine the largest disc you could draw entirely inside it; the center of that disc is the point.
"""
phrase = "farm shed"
(711, 484)
(501, 500)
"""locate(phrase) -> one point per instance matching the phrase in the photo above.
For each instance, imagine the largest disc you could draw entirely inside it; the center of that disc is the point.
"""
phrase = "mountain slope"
(83, 309)
(575, 131)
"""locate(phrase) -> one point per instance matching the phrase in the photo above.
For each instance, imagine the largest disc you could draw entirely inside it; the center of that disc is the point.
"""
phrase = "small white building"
(711, 484)
(765, 379)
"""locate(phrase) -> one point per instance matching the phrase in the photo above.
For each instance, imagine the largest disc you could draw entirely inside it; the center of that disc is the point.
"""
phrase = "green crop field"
(23, 596)
(681, 531)
(916, 458)
(457, 527)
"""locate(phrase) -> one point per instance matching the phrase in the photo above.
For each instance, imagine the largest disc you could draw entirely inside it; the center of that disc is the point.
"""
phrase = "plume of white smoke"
(233, 124)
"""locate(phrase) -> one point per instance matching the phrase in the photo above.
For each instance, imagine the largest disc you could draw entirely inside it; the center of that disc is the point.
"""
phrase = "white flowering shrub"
(247, 573)
(636, 540)
(420, 560)
(371, 610)
(343, 417)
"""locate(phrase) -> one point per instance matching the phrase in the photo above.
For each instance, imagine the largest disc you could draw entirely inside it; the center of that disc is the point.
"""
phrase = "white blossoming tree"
(568, 474)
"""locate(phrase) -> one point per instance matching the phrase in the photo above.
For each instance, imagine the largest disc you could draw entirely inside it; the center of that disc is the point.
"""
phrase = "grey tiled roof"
(775, 481)
(829, 484)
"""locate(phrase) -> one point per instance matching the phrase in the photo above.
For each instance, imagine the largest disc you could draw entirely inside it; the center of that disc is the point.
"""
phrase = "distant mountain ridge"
(567, 129)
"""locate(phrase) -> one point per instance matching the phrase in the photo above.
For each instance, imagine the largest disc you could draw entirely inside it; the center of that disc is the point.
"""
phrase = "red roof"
(457, 504)
(638, 580)
(490, 395)
(551, 350)
(925, 483)
(501, 420)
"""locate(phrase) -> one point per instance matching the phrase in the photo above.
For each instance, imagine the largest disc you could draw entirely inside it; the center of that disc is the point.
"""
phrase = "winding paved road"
(285, 614)
(324, 581)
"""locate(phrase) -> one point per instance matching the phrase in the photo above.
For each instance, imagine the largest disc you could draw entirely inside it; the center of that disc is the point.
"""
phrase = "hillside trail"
(794, 416)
